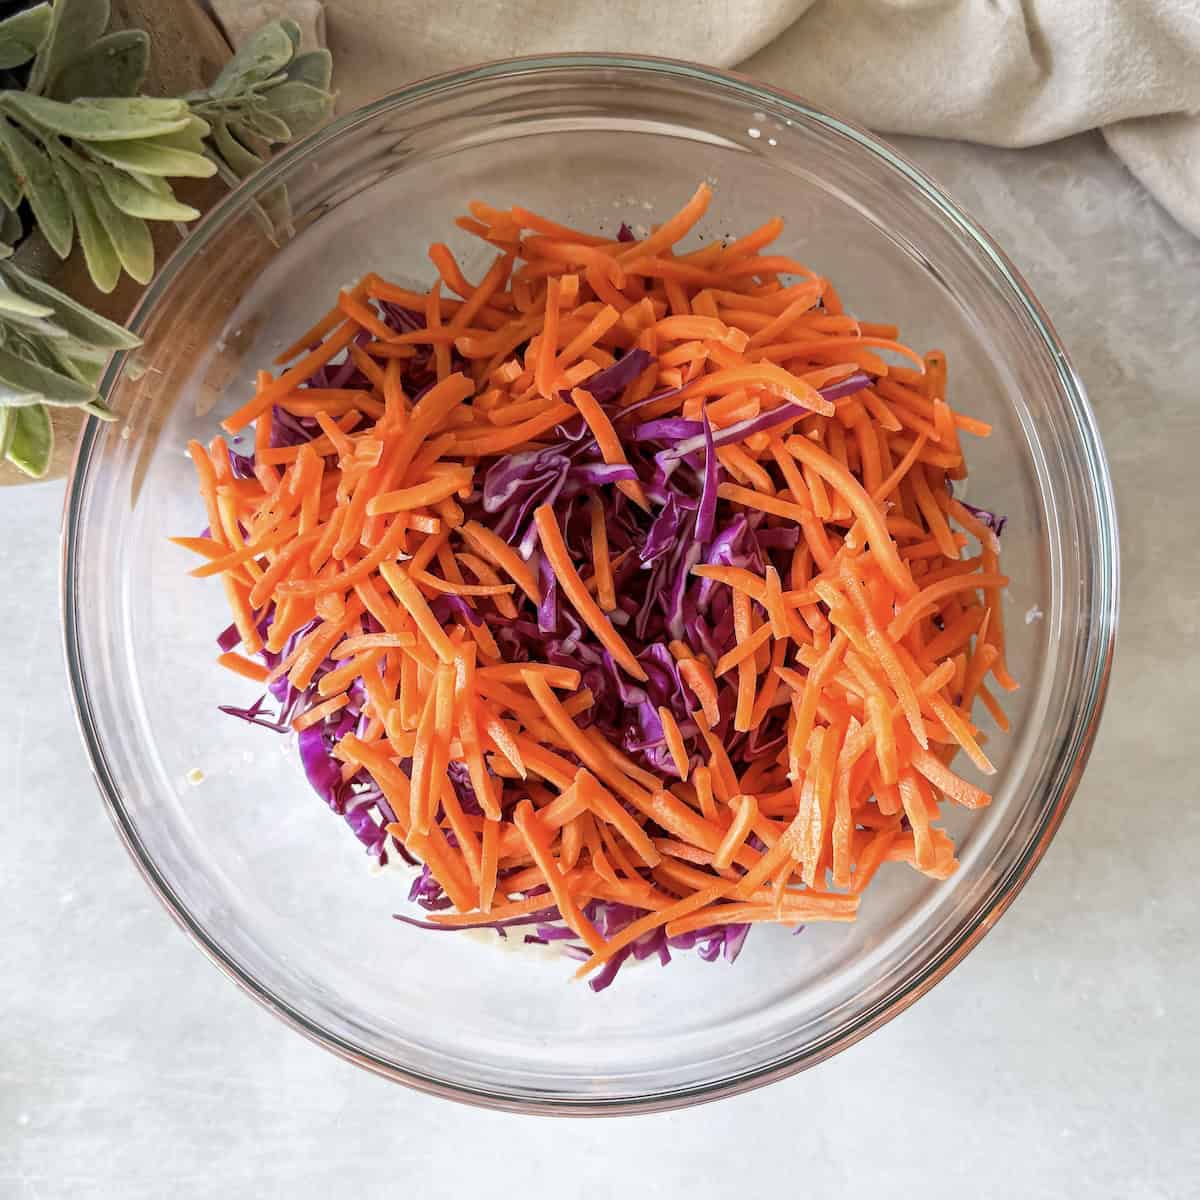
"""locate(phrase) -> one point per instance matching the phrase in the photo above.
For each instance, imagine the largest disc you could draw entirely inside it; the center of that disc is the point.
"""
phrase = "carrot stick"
(675, 743)
(649, 922)
(606, 808)
(745, 814)
(673, 229)
(488, 863)
(702, 779)
(538, 842)
(609, 443)
(555, 550)
(319, 712)
(244, 667)
(293, 376)
(699, 680)
(928, 598)
(949, 784)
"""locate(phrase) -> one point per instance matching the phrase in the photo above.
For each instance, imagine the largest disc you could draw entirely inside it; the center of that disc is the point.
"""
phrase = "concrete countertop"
(1060, 1060)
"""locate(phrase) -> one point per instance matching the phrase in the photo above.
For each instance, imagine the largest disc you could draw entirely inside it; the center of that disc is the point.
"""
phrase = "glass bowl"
(269, 883)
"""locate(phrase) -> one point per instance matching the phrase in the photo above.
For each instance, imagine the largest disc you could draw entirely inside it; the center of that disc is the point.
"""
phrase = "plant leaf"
(266, 124)
(112, 119)
(41, 186)
(89, 371)
(292, 30)
(57, 356)
(7, 428)
(138, 201)
(268, 51)
(152, 183)
(10, 184)
(255, 143)
(301, 105)
(21, 35)
(129, 236)
(263, 85)
(23, 383)
(314, 68)
(18, 308)
(115, 65)
(30, 440)
(152, 159)
(11, 229)
(34, 328)
(190, 137)
(86, 327)
(94, 408)
(74, 25)
(103, 263)
(241, 162)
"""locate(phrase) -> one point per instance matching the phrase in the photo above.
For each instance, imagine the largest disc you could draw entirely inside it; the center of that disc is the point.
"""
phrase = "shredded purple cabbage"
(992, 520)
(608, 384)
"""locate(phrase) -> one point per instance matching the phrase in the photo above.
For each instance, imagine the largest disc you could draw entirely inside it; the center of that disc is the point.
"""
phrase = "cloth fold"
(1000, 72)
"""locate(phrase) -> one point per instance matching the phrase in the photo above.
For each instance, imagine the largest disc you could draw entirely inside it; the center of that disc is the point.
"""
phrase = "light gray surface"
(1062, 1059)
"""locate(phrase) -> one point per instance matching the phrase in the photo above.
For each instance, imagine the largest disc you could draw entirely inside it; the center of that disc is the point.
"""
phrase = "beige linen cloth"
(1002, 72)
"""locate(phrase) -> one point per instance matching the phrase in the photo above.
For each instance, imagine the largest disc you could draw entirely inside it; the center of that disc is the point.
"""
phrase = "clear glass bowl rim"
(1102, 618)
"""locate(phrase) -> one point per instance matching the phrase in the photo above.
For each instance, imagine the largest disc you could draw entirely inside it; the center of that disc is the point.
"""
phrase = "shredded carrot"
(711, 729)
(555, 550)
(537, 840)
(607, 440)
(745, 813)
(244, 667)
(318, 713)
(698, 677)
(675, 743)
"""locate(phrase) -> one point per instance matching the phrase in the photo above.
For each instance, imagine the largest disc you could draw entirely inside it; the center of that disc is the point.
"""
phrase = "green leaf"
(85, 326)
(11, 229)
(14, 304)
(129, 236)
(94, 408)
(7, 428)
(138, 201)
(292, 30)
(57, 356)
(22, 34)
(152, 183)
(301, 105)
(41, 186)
(241, 162)
(190, 137)
(268, 51)
(255, 143)
(266, 124)
(263, 85)
(74, 25)
(103, 262)
(152, 159)
(46, 330)
(114, 119)
(314, 68)
(15, 307)
(113, 66)
(24, 383)
(10, 185)
(90, 372)
(30, 440)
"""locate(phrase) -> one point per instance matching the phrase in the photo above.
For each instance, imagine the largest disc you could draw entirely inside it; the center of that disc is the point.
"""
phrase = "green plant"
(52, 350)
(91, 161)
